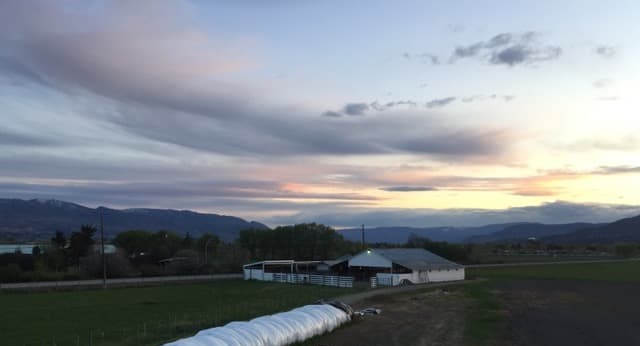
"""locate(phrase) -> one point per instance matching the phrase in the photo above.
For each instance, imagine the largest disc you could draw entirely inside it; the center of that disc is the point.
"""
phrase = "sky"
(416, 113)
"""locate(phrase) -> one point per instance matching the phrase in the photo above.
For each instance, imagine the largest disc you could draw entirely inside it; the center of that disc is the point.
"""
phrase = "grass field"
(617, 271)
(143, 316)
(484, 325)
(491, 258)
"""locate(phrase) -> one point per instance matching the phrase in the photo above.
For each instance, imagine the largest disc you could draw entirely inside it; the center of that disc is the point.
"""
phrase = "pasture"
(628, 271)
(143, 316)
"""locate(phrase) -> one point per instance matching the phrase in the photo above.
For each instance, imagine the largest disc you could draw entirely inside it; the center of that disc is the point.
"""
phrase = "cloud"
(355, 108)
(408, 188)
(332, 114)
(362, 108)
(617, 170)
(602, 83)
(426, 58)
(629, 142)
(534, 192)
(25, 139)
(606, 51)
(474, 98)
(391, 104)
(170, 91)
(137, 192)
(508, 49)
(465, 143)
(437, 103)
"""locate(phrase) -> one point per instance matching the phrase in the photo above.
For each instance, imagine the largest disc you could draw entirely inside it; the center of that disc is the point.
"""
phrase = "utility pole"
(363, 243)
(104, 262)
(206, 246)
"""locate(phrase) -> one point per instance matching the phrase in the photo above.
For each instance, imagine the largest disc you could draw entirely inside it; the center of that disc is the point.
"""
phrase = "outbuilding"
(392, 267)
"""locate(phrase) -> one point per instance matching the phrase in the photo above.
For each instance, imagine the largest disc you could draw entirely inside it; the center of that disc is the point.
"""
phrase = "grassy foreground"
(143, 316)
(617, 271)
(486, 325)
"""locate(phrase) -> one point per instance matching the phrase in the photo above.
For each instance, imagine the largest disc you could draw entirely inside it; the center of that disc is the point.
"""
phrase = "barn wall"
(386, 279)
(253, 274)
(446, 275)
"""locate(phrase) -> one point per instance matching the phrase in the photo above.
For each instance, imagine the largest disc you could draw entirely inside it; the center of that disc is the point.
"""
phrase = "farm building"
(312, 272)
(398, 266)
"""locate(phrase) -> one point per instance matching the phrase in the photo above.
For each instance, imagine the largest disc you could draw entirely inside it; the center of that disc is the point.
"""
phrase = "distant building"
(392, 267)
(389, 267)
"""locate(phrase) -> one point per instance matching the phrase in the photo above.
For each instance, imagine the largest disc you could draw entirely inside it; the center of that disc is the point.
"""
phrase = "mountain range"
(397, 235)
(39, 219)
(624, 230)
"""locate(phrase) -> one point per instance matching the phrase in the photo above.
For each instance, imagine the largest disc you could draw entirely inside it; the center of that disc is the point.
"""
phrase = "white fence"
(295, 278)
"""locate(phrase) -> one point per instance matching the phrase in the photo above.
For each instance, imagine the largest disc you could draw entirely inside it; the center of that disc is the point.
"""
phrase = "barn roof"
(416, 259)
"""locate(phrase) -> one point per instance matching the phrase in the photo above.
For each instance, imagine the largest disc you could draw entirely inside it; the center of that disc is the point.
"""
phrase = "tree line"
(153, 253)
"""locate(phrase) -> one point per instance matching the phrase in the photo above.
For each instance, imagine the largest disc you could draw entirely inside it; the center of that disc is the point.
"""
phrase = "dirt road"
(409, 318)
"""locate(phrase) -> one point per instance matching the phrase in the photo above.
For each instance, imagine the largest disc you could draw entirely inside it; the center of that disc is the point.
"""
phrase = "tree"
(81, 242)
(187, 241)
(309, 241)
(164, 244)
(134, 242)
(207, 244)
(452, 252)
(59, 241)
(626, 250)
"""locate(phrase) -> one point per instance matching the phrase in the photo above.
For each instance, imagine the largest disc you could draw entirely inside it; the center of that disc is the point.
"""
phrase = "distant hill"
(37, 219)
(624, 230)
(398, 235)
(523, 231)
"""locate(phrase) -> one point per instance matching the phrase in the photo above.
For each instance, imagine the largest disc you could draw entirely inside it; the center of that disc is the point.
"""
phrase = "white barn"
(398, 266)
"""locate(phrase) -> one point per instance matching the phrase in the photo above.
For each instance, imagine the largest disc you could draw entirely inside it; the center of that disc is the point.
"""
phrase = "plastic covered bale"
(275, 330)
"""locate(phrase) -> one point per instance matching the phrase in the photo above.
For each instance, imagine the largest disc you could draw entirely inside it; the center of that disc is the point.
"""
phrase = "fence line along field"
(143, 316)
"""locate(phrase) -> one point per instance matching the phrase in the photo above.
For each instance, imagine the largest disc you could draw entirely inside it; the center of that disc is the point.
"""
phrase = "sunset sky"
(414, 113)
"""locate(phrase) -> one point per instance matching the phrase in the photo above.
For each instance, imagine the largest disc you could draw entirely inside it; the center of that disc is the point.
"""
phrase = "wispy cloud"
(437, 103)
(606, 51)
(509, 49)
(474, 98)
(427, 58)
(355, 108)
(332, 114)
(408, 188)
(166, 91)
(602, 83)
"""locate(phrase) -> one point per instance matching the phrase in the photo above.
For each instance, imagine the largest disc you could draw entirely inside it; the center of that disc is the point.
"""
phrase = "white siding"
(253, 274)
(369, 259)
(446, 275)
(420, 277)
(386, 279)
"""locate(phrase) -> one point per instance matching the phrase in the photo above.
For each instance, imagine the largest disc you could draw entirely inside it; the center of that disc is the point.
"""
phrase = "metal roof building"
(397, 266)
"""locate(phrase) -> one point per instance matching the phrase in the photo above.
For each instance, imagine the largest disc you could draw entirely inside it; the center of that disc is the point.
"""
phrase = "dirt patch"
(565, 313)
(408, 319)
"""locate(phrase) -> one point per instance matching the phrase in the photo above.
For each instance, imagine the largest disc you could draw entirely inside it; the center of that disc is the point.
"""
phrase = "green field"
(491, 258)
(617, 271)
(485, 322)
(143, 316)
